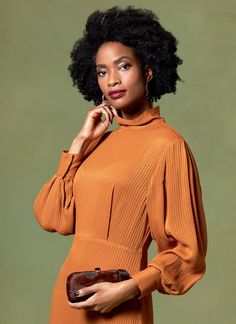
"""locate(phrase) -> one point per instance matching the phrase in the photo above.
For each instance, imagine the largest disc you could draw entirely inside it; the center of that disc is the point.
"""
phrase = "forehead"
(108, 52)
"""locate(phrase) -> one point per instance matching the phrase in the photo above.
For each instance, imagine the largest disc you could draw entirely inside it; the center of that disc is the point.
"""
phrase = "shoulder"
(176, 146)
(172, 142)
(168, 134)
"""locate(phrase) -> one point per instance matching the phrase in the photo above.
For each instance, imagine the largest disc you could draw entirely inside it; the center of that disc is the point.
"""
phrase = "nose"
(113, 79)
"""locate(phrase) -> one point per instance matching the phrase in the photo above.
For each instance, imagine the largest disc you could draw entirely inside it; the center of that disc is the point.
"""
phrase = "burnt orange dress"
(134, 184)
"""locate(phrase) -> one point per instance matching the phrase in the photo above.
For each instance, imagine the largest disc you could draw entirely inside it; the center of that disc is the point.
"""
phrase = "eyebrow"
(115, 61)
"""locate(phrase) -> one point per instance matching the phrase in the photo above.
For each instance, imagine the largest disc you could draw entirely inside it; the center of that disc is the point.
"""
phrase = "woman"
(117, 190)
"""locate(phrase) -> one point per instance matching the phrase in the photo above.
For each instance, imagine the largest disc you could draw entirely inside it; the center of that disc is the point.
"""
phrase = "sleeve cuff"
(69, 164)
(148, 280)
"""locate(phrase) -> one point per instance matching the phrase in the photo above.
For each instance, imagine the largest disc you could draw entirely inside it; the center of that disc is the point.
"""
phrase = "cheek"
(135, 81)
(136, 85)
(99, 83)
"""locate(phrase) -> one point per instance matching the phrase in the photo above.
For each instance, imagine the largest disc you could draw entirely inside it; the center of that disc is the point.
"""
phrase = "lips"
(117, 94)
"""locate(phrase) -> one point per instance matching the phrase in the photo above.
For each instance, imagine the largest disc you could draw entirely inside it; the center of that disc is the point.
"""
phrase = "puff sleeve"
(54, 205)
(177, 224)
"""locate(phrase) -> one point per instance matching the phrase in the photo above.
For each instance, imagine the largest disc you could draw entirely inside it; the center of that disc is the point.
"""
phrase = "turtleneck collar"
(142, 119)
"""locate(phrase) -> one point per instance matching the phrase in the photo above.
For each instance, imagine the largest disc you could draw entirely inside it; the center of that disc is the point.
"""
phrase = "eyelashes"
(126, 65)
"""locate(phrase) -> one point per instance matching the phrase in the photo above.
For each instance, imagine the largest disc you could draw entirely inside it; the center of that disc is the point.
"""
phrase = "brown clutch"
(78, 280)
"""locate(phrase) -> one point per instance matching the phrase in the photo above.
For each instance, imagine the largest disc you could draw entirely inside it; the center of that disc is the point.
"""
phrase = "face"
(119, 69)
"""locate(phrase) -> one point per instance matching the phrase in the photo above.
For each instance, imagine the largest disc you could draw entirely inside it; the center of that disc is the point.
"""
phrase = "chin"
(121, 104)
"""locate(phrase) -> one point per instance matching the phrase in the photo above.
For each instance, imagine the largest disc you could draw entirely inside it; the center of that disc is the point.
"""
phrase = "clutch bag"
(78, 280)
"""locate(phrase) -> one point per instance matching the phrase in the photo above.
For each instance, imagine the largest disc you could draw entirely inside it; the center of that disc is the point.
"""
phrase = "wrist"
(79, 145)
(131, 289)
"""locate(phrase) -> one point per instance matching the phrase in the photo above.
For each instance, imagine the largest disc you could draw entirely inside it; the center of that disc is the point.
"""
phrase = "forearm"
(79, 145)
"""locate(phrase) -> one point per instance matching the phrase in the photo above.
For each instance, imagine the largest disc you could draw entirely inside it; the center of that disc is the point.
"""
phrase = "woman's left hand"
(107, 295)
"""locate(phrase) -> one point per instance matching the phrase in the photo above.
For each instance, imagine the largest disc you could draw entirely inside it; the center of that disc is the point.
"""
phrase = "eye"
(125, 66)
(100, 73)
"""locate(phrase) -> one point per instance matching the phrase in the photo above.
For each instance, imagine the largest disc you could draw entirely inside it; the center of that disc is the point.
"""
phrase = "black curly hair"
(137, 28)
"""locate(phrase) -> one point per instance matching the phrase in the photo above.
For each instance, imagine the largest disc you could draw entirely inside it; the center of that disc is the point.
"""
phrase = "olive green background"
(41, 112)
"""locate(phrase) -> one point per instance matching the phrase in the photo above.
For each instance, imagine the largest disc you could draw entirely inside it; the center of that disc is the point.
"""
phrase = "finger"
(112, 109)
(108, 108)
(108, 105)
(98, 111)
(88, 303)
(81, 305)
(83, 292)
(87, 290)
(107, 116)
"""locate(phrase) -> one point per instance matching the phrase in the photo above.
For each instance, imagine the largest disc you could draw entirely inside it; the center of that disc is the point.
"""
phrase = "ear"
(148, 73)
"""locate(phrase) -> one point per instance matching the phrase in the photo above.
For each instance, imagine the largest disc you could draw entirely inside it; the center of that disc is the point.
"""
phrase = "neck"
(142, 120)
(134, 111)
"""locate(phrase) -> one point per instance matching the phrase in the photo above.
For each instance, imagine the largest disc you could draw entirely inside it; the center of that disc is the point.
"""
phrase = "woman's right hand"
(93, 127)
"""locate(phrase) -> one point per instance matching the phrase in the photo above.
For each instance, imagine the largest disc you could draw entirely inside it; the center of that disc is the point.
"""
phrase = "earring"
(104, 100)
(146, 88)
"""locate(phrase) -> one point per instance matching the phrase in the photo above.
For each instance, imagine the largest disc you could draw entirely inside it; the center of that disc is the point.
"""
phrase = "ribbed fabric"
(136, 183)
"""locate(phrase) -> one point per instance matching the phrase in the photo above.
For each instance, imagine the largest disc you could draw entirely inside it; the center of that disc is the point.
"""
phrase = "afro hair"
(137, 28)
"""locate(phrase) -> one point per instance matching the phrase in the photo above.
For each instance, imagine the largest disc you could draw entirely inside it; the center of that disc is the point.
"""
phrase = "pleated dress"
(134, 184)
